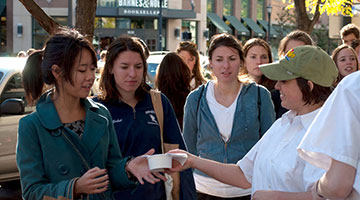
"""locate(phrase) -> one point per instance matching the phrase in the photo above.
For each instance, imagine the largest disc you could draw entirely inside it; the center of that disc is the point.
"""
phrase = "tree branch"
(45, 21)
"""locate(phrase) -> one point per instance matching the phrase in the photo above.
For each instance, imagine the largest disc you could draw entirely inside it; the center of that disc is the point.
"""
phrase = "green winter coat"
(49, 165)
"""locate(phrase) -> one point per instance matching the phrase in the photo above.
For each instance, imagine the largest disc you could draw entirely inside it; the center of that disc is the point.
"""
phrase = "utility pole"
(160, 26)
(70, 13)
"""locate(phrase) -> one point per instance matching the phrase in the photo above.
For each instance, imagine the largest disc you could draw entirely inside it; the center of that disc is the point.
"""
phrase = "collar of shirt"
(304, 119)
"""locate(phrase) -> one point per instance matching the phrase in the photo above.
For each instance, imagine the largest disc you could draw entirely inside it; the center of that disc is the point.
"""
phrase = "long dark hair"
(60, 49)
(108, 90)
(269, 84)
(196, 71)
(173, 79)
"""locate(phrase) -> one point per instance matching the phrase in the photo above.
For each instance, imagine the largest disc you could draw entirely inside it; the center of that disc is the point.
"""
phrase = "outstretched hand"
(176, 166)
(140, 169)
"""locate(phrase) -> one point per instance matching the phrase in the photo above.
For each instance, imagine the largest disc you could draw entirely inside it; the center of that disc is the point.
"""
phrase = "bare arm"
(338, 181)
(227, 173)
(278, 195)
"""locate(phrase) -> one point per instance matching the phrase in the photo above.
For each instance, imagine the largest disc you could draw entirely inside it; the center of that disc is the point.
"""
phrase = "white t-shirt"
(224, 117)
(274, 164)
(335, 132)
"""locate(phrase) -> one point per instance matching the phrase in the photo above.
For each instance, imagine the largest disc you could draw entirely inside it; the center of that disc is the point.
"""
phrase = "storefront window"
(244, 8)
(107, 3)
(137, 24)
(40, 35)
(228, 7)
(259, 9)
(123, 23)
(189, 27)
(211, 5)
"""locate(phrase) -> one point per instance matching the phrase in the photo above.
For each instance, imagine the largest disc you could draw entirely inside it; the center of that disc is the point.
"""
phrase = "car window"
(1, 75)
(13, 89)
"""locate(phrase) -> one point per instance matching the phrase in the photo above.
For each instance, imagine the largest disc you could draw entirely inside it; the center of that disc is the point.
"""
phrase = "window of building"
(137, 24)
(228, 7)
(107, 3)
(260, 9)
(40, 35)
(190, 28)
(123, 23)
(244, 8)
(211, 6)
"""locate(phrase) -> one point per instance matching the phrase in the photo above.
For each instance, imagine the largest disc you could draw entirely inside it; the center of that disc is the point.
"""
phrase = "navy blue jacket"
(138, 131)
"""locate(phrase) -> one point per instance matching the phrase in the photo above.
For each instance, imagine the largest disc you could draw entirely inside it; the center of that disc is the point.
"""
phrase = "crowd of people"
(257, 129)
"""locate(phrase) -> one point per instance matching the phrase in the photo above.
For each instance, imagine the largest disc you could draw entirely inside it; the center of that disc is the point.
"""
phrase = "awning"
(265, 25)
(249, 23)
(2, 10)
(218, 22)
(242, 30)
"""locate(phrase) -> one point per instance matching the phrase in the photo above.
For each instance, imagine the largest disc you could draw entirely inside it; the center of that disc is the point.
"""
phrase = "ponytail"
(32, 77)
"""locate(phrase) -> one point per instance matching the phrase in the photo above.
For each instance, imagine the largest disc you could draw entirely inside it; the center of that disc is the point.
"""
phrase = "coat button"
(63, 169)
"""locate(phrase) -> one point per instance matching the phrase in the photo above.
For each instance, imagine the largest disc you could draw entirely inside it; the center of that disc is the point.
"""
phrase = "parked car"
(12, 107)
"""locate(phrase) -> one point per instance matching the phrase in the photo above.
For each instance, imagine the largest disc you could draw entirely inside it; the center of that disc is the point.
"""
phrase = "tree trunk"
(85, 17)
(48, 23)
(302, 19)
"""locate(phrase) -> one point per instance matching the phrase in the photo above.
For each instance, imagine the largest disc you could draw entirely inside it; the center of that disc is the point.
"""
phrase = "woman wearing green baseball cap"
(273, 167)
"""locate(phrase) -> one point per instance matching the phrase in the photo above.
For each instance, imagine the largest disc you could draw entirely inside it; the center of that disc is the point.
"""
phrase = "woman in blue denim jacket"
(226, 117)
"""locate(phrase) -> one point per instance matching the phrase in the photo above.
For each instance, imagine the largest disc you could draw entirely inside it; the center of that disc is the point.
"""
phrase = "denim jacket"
(202, 135)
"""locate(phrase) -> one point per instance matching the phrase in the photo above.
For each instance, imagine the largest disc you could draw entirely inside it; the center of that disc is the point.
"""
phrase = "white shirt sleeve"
(335, 132)
(246, 164)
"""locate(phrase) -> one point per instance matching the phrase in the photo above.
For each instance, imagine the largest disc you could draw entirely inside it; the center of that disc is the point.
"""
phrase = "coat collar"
(48, 115)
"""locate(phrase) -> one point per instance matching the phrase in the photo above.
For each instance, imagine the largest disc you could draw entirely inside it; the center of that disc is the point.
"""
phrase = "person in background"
(293, 39)
(273, 168)
(346, 60)
(332, 143)
(349, 33)
(21, 54)
(356, 46)
(290, 41)
(257, 52)
(123, 90)
(189, 53)
(67, 149)
(226, 117)
(173, 79)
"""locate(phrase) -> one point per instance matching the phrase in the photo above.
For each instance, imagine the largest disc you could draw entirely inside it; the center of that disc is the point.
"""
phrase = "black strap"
(81, 157)
(259, 107)
(198, 103)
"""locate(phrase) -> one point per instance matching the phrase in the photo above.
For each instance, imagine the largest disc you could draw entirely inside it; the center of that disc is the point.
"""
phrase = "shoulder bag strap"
(156, 101)
(83, 160)
(259, 111)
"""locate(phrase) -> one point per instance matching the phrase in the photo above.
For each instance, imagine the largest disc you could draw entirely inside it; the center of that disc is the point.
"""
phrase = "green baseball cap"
(308, 62)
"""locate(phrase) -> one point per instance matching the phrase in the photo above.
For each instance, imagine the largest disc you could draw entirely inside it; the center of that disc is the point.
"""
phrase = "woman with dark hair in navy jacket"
(123, 90)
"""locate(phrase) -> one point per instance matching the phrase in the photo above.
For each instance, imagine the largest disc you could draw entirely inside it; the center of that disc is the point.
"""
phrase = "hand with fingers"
(140, 169)
(176, 166)
(94, 181)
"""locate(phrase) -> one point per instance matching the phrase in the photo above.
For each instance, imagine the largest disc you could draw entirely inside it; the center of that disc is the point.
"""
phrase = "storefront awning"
(218, 22)
(265, 25)
(242, 30)
(249, 23)
(2, 10)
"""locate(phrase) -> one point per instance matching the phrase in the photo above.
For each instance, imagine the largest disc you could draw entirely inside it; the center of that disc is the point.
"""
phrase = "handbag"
(172, 185)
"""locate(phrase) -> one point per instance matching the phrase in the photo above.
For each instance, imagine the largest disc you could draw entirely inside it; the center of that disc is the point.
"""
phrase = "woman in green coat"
(67, 148)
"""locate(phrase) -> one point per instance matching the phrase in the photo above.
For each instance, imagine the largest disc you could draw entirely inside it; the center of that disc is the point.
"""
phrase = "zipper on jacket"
(134, 112)
(225, 157)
